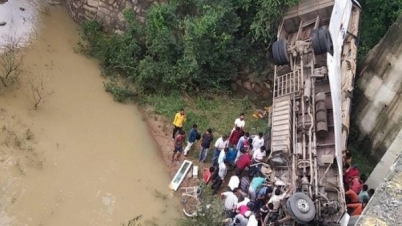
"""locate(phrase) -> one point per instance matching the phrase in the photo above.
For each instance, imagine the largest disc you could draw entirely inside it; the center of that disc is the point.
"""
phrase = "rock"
(93, 3)
(22, 8)
(266, 95)
(3, 1)
(121, 17)
(119, 32)
(247, 85)
(90, 9)
(2, 23)
(267, 85)
(54, 3)
(257, 88)
(238, 82)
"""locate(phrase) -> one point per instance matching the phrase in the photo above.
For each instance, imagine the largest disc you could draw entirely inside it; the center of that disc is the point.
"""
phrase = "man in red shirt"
(235, 136)
(178, 145)
(206, 176)
(243, 162)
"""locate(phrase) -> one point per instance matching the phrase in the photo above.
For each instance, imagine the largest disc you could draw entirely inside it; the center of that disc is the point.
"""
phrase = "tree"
(377, 17)
(36, 89)
(11, 61)
(188, 45)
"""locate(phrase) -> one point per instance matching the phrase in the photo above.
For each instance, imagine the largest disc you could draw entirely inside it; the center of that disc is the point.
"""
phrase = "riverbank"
(81, 158)
(218, 114)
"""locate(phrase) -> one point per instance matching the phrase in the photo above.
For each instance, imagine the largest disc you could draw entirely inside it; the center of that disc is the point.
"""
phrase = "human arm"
(217, 143)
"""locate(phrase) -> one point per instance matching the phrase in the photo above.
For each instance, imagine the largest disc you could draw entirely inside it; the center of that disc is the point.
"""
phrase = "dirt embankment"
(160, 129)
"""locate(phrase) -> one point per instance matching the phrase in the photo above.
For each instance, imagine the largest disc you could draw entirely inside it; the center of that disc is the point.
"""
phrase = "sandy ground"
(161, 129)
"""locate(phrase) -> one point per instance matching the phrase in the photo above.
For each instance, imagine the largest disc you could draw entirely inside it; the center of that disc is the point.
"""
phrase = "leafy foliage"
(377, 17)
(187, 45)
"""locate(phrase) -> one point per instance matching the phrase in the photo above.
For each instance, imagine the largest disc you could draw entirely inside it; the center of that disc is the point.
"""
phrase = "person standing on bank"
(178, 146)
(178, 122)
(206, 141)
(220, 145)
(192, 136)
(239, 122)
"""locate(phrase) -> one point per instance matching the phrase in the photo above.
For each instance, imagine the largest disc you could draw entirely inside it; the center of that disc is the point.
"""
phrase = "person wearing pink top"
(357, 183)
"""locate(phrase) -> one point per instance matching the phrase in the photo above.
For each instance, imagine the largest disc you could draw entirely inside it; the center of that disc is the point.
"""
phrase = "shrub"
(187, 45)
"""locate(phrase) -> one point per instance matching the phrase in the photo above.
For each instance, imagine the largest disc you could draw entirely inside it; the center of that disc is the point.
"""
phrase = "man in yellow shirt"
(178, 122)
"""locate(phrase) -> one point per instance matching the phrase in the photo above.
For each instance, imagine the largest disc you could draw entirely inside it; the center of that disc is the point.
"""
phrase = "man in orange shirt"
(357, 208)
(351, 196)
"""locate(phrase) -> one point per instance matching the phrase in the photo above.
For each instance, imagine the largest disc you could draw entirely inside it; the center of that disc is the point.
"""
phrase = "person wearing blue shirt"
(255, 183)
(231, 155)
(191, 139)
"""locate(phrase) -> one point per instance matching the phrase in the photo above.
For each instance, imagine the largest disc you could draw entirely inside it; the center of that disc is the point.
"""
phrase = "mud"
(80, 158)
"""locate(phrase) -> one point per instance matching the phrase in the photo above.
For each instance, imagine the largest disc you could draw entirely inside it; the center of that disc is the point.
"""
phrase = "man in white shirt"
(259, 155)
(223, 169)
(222, 155)
(277, 197)
(230, 202)
(239, 122)
(258, 141)
(220, 145)
(252, 221)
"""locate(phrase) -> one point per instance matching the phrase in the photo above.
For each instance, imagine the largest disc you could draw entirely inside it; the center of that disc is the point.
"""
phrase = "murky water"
(81, 158)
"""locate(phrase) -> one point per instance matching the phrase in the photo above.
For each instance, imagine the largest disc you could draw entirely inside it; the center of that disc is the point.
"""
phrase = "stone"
(93, 3)
(103, 11)
(2, 23)
(238, 82)
(119, 32)
(3, 1)
(90, 9)
(52, 3)
(266, 95)
(128, 5)
(107, 19)
(247, 85)
(267, 85)
(136, 9)
(257, 88)
(121, 17)
(22, 8)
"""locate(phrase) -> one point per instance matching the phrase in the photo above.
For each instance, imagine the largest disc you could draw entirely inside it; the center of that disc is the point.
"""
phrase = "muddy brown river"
(80, 158)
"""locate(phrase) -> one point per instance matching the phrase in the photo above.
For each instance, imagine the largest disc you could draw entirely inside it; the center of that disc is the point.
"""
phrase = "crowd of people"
(357, 193)
(251, 199)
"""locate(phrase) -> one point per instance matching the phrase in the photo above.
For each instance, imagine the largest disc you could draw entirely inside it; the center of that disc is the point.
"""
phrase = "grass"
(362, 162)
(217, 112)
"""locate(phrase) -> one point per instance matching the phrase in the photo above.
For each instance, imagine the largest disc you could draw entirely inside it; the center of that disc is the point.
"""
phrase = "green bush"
(377, 17)
(187, 45)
